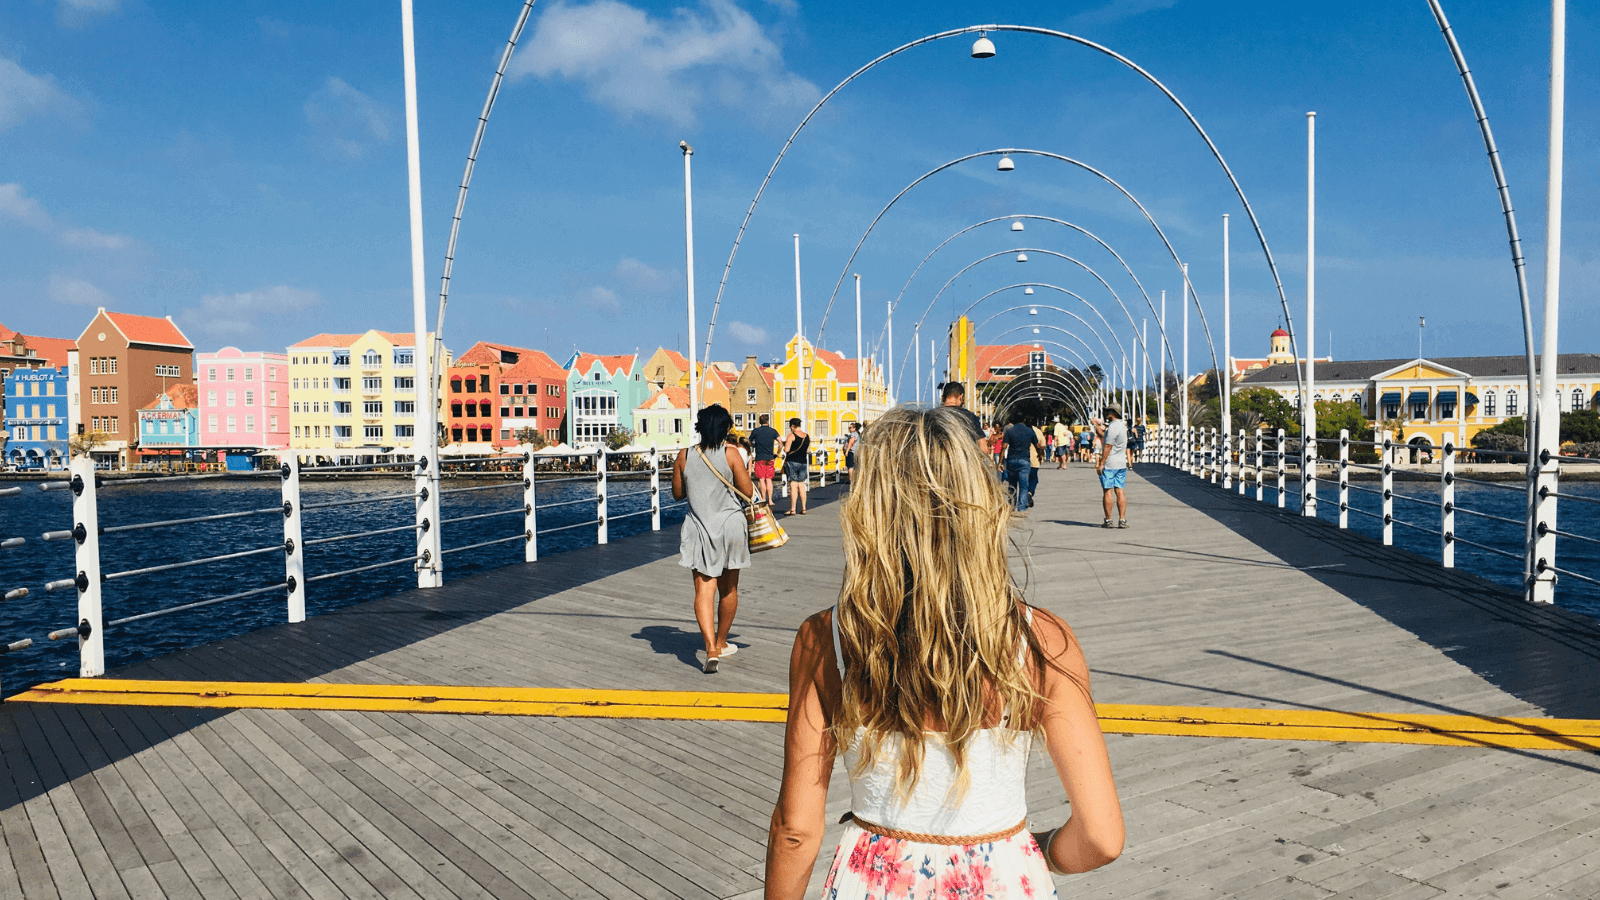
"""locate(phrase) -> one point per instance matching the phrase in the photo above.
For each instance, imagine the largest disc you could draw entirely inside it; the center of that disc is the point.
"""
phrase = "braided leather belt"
(946, 839)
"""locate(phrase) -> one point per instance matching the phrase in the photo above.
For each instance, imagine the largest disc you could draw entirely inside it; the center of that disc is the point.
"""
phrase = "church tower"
(1281, 353)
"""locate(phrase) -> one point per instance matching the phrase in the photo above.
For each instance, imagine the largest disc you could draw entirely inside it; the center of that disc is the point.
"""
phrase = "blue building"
(37, 418)
(602, 393)
(169, 427)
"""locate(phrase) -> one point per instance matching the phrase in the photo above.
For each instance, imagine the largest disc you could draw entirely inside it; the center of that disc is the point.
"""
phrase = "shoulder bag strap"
(707, 461)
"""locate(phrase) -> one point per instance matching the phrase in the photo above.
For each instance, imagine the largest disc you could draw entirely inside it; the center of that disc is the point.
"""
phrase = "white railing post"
(1260, 467)
(1344, 478)
(602, 533)
(1388, 489)
(1447, 502)
(530, 504)
(655, 489)
(294, 549)
(1216, 454)
(1227, 461)
(430, 565)
(1308, 475)
(1282, 475)
(86, 537)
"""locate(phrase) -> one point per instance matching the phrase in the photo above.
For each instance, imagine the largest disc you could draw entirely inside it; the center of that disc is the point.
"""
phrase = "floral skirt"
(872, 867)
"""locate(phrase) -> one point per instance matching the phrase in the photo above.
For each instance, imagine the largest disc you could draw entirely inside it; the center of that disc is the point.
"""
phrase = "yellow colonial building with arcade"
(835, 390)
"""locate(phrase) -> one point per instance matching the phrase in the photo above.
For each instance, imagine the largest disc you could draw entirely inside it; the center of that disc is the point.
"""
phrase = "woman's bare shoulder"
(1058, 641)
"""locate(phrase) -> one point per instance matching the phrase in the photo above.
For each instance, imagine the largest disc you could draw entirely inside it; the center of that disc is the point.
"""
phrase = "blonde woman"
(933, 679)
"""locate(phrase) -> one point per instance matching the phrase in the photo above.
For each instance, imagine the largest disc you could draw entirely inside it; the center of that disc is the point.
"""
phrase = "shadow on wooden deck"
(1544, 655)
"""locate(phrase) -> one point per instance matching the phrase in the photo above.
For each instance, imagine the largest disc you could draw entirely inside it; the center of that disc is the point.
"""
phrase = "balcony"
(341, 415)
(341, 390)
(368, 391)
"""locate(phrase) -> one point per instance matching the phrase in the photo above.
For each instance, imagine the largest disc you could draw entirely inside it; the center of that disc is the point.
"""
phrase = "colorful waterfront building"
(125, 363)
(169, 426)
(244, 399)
(37, 424)
(494, 391)
(1429, 398)
(663, 420)
(27, 351)
(602, 393)
(835, 388)
(355, 392)
(666, 367)
(750, 394)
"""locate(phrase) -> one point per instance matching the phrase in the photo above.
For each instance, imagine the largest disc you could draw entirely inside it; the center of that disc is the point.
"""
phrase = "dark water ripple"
(35, 511)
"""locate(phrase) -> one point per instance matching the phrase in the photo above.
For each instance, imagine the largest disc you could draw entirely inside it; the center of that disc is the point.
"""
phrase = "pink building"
(244, 398)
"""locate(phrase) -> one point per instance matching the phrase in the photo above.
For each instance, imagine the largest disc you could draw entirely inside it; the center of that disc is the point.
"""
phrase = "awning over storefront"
(1391, 397)
(1450, 397)
(1418, 398)
(1472, 399)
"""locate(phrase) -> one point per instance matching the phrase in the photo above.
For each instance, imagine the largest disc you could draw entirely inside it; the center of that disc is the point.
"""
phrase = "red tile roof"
(397, 338)
(844, 370)
(52, 350)
(149, 330)
(6, 334)
(534, 364)
(184, 396)
(1005, 356)
(612, 363)
(676, 396)
(678, 359)
(488, 352)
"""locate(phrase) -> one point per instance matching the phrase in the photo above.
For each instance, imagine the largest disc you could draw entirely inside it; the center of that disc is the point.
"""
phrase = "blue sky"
(241, 166)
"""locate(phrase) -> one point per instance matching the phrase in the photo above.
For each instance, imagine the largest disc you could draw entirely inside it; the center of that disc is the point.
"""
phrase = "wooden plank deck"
(1208, 600)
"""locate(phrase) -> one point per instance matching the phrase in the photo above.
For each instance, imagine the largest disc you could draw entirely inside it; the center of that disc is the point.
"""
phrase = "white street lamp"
(1006, 165)
(1032, 310)
(1027, 290)
(1022, 257)
(1017, 226)
(982, 48)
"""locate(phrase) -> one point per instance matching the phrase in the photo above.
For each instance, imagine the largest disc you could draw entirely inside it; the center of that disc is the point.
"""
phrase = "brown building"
(124, 363)
(750, 394)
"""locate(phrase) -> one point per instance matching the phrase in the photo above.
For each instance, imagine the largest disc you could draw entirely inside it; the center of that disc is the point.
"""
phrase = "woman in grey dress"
(715, 542)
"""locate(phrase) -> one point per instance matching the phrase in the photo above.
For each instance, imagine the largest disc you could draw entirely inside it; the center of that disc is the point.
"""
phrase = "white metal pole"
(889, 387)
(1308, 401)
(430, 567)
(1225, 377)
(1183, 390)
(916, 344)
(90, 629)
(1548, 426)
(800, 343)
(861, 364)
(688, 251)
(294, 549)
(1161, 390)
(1144, 379)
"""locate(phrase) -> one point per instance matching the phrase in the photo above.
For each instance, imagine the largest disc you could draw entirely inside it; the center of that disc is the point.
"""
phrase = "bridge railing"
(1264, 462)
(615, 477)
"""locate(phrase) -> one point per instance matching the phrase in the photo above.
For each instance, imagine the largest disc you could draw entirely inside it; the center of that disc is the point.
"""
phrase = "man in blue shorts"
(1113, 467)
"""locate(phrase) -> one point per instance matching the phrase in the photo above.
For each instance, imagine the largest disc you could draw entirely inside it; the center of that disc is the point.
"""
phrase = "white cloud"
(601, 298)
(77, 292)
(665, 68)
(1116, 11)
(24, 94)
(16, 206)
(234, 317)
(346, 120)
(748, 335)
(640, 277)
(74, 13)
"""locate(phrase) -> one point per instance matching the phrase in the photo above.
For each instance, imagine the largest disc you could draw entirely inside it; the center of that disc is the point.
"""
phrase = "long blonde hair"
(930, 619)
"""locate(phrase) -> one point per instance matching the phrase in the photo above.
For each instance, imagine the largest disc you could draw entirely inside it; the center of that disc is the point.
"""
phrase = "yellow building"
(831, 386)
(354, 391)
(1429, 398)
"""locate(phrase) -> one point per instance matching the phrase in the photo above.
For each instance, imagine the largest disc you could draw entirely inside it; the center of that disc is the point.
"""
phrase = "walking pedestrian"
(933, 680)
(954, 395)
(1035, 457)
(1065, 444)
(850, 452)
(1112, 465)
(797, 465)
(764, 442)
(715, 541)
(1021, 441)
(1085, 442)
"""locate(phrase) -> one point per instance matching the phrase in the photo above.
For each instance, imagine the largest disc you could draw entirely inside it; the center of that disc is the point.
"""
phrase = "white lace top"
(995, 799)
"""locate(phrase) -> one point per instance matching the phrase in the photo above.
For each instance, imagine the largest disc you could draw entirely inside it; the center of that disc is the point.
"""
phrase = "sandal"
(711, 664)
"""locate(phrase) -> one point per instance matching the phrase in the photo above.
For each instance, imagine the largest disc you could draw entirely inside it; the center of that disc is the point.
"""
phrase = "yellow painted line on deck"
(1116, 718)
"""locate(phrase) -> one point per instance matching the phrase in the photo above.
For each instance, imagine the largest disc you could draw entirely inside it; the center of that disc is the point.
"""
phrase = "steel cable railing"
(1202, 452)
(526, 470)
